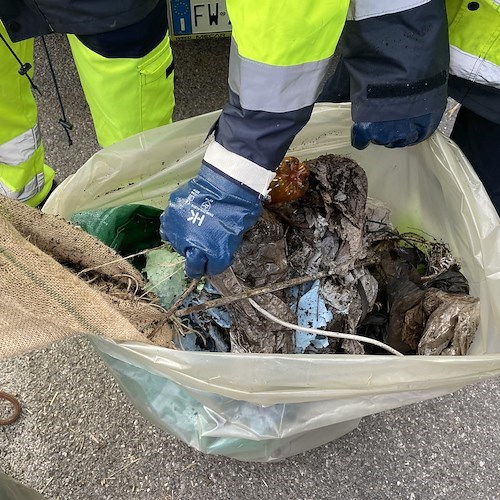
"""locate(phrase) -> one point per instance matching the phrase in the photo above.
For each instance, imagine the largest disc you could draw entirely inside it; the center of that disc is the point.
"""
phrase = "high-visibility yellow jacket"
(474, 32)
(279, 56)
(474, 69)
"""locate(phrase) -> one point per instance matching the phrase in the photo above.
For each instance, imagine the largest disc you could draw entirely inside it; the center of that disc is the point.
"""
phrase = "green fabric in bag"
(128, 229)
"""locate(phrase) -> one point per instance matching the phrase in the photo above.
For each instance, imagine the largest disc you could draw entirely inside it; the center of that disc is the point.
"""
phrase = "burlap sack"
(41, 301)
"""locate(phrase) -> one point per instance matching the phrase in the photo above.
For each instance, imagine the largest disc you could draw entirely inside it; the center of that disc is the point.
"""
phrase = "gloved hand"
(394, 133)
(205, 221)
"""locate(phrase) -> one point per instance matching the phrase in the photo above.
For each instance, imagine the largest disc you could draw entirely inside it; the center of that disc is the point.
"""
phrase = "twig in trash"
(272, 287)
(174, 307)
(131, 280)
(180, 300)
(142, 252)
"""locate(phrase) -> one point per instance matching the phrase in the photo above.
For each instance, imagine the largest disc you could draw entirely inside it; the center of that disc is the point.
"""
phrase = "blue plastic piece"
(313, 313)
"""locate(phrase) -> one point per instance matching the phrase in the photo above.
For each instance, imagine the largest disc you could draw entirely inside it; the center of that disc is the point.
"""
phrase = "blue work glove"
(205, 221)
(394, 133)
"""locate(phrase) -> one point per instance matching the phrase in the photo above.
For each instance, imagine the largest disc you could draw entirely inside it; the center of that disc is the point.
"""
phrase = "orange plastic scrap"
(291, 181)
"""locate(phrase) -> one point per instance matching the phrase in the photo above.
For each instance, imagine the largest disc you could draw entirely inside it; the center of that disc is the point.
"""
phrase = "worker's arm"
(279, 55)
(396, 55)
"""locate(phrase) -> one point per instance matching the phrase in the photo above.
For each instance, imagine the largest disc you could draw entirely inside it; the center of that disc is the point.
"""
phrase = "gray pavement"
(80, 438)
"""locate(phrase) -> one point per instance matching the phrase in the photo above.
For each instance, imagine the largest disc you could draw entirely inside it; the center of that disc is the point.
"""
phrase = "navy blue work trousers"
(479, 140)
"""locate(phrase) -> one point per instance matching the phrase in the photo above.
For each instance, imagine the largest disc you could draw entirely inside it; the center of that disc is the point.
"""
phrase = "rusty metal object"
(17, 408)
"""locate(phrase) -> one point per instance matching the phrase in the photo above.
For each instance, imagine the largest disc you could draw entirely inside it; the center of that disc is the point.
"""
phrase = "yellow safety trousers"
(125, 95)
(23, 175)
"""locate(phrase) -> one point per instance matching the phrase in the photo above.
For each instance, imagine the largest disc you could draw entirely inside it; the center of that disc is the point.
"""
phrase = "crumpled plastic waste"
(290, 183)
(376, 287)
(432, 317)
(451, 325)
(211, 325)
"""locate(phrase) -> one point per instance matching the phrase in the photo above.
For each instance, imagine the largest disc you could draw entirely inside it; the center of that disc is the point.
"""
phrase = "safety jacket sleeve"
(397, 56)
(280, 52)
(279, 55)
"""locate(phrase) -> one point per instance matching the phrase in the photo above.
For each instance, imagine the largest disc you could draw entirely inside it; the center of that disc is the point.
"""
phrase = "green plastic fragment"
(165, 274)
(128, 229)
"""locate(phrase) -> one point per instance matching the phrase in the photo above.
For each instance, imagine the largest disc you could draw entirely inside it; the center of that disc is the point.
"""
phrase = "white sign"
(208, 17)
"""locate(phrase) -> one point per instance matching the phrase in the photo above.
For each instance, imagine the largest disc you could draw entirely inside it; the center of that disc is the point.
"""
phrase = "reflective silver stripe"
(275, 89)
(33, 187)
(20, 148)
(364, 9)
(473, 68)
(239, 168)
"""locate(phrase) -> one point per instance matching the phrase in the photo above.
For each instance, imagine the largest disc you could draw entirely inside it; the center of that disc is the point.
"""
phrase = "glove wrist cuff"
(239, 169)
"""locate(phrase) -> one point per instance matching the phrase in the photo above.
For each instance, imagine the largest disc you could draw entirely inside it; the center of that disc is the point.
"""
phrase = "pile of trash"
(322, 272)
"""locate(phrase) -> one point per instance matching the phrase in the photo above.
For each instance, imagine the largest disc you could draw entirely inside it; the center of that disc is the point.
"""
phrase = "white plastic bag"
(265, 407)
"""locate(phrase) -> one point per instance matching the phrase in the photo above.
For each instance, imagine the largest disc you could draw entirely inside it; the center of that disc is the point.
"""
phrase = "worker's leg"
(127, 76)
(23, 175)
(478, 139)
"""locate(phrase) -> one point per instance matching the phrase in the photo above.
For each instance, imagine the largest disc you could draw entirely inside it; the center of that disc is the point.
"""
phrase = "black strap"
(66, 125)
(386, 90)
(23, 67)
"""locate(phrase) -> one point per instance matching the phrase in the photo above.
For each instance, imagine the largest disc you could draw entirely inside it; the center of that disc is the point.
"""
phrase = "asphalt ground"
(79, 437)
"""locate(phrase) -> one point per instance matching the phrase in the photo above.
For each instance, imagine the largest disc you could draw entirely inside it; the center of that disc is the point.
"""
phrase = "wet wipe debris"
(403, 290)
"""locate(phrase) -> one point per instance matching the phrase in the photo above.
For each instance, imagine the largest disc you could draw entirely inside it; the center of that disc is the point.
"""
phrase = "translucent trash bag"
(266, 407)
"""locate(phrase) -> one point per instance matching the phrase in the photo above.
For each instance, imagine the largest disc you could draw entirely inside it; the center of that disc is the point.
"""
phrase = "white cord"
(336, 335)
